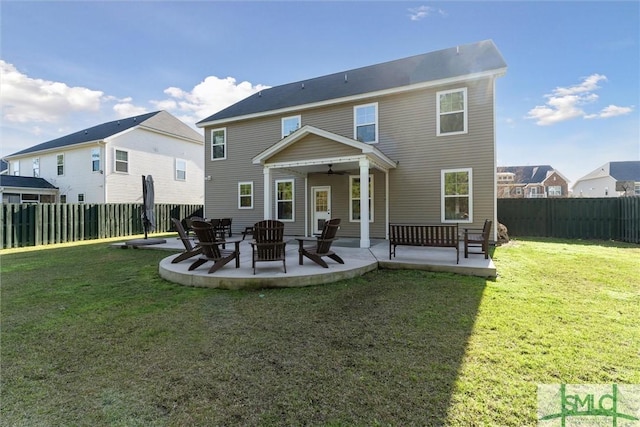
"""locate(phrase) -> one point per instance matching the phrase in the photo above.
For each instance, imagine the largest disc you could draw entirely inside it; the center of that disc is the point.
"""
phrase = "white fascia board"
(441, 82)
(366, 149)
(55, 150)
(172, 135)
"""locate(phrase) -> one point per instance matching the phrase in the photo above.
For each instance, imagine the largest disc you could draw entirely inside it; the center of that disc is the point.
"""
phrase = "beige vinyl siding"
(313, 147)
(407, 134)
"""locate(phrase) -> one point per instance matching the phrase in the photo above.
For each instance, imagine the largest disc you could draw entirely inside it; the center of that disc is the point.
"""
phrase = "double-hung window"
(284, 200)
(365, 123)
(219, 144)
(245, 195)
(554, 190)
(36, 167)
(122, 161)
(60, 164)
(15, 167)
(457, 197)
(181, 170)
(290, 125)
(354, 198)
(95, 160)
(452, 112)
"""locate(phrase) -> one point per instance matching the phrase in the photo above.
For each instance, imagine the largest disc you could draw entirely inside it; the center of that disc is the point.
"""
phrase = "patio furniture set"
(441, 235)
(268, 244)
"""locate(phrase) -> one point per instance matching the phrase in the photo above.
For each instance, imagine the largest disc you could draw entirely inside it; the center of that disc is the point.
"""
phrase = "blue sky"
(570, 97)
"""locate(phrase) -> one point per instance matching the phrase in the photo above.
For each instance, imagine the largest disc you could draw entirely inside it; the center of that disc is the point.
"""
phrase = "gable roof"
(620, 171)
(456, 62)
(25, 182)
(377, 157)
(158, 121)
(625, 171)
(528, 174)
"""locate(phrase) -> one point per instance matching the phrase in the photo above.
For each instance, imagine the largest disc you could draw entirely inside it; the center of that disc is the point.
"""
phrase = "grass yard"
(92, 336)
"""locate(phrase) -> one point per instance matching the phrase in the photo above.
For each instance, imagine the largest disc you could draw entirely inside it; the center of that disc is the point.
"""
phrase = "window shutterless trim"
(464, 111)
(240, 195)
(443, 196)
(224, 143)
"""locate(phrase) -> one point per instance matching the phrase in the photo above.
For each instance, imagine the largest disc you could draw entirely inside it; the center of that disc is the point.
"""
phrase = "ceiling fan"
(331, 172)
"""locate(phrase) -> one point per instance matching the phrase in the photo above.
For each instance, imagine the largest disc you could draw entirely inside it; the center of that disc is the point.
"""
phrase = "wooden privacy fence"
(48, 223)
(573, 218)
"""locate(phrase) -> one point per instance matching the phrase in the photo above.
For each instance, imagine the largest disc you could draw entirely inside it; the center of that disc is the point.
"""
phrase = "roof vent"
(345, 78)
(302, 85)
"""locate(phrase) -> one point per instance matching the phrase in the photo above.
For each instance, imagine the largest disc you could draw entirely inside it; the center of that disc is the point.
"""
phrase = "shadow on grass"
(382, 349)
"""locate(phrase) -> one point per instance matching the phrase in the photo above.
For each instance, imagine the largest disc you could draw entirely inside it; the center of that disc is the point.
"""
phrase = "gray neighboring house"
(531, 182)
(26, 189)
(613, 179)
(419, 130)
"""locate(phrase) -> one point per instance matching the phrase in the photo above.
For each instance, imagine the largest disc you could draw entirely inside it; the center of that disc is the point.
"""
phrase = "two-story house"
(104, 164)
(613, 179)
(406, 141)
(541, 181)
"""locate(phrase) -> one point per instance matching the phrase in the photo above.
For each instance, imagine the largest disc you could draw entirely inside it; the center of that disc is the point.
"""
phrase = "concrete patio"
(357, 262)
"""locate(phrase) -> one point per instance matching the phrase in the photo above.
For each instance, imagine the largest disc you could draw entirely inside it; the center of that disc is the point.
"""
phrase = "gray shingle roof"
(24, 182)
(442, 64)
(527, 174)
(94, 133)
(625, 171)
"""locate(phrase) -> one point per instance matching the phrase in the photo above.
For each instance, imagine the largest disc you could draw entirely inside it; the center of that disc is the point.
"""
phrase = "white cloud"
(610, 111)
(208, 97)
(27, 100)
(565, 103)
(421, 12)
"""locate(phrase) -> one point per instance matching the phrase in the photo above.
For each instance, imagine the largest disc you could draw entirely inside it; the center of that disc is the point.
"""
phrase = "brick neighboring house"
(520, 182)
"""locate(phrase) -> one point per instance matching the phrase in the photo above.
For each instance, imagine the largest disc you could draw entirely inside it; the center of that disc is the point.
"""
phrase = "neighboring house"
(540, 181)
(418, 130)
(105, 163)
(613, 179)
(26, 189)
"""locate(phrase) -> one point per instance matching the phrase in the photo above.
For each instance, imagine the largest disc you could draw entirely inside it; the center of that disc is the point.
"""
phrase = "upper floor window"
(245, 195)
(60, 164)
(365, 123)
(95, 160)
(81, 198)
(290, 125)
(15, 167)
(122, 161)
(456, 195)
(452, 112)
(181, 170)
(219, 144)
(36, 167)
(284, 200)
(354, 198)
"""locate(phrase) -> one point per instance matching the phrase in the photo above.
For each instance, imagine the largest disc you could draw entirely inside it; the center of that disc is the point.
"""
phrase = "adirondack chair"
(191, 248)
(211, 251)
(225, 226)
(322, 248)
(268, 243)
(476, 238)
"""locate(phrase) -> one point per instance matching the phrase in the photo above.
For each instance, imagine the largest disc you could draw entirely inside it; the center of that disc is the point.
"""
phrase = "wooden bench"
(440, 236)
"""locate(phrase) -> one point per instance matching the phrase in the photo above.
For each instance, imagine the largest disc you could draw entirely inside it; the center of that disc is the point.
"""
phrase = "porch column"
(267, 193)
(365, 242)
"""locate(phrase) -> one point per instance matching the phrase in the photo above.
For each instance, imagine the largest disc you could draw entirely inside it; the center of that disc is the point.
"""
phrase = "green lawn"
(92, 336)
